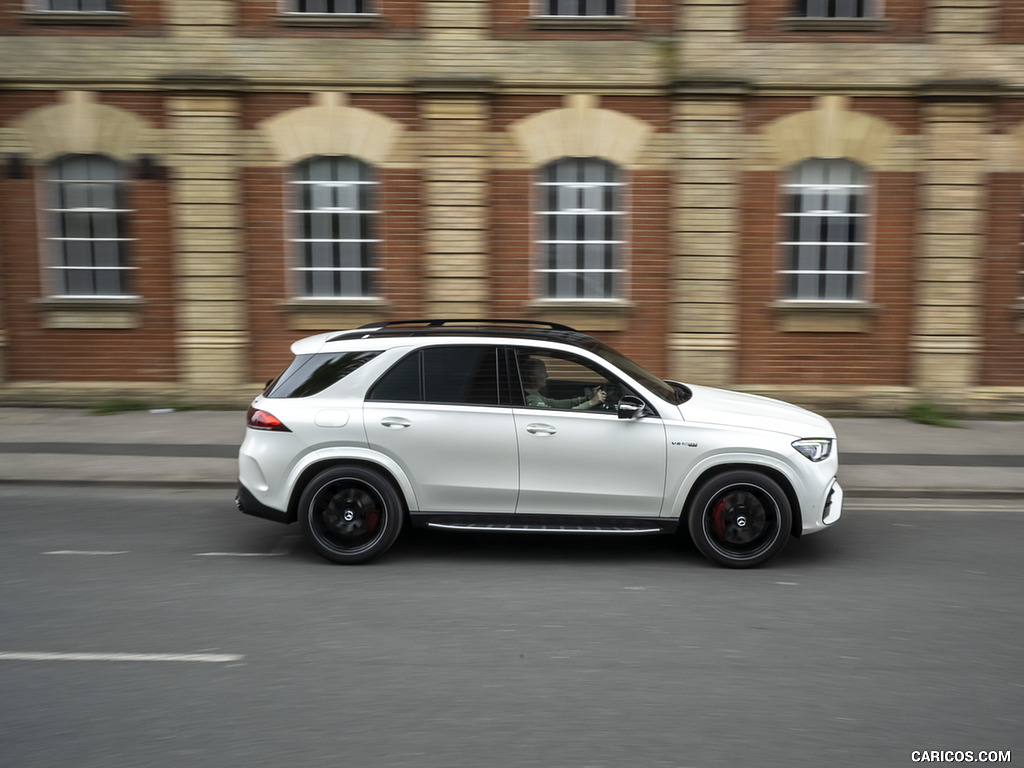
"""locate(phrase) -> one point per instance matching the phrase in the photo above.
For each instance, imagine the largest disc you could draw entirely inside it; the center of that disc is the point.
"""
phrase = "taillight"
(268, 422)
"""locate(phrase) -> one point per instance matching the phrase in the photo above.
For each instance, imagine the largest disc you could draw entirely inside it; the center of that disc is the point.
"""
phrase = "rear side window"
(457, 375)
(310, 374)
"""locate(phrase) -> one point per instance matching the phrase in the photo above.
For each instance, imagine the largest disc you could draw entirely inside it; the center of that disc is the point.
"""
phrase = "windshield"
(661, 388)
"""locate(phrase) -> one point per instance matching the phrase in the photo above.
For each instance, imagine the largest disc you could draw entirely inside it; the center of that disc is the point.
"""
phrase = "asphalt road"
(162, 628)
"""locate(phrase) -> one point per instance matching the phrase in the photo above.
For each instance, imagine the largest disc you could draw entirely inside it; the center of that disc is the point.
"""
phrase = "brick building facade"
(815, 199)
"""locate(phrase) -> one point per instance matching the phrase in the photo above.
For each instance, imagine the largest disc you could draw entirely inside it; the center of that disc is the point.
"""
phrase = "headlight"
(815, 448)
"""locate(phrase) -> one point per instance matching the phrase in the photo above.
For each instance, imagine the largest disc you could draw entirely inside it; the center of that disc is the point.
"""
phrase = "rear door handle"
(541, 429)
(395, 422)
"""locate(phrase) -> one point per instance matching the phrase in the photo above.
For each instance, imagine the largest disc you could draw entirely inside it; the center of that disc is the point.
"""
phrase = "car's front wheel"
(350, 514)
(740, 519)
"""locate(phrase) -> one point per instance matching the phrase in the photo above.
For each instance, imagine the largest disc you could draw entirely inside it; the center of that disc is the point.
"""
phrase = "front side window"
(334, 227)
(574, 8)
(581, 226)
(836, 9)
(75, 6)
(565, 382)
(88, 225)
(457, 375)
(331, 6)
(826, 228)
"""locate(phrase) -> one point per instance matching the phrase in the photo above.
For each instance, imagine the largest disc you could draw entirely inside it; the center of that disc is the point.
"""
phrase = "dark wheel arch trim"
(796, 527)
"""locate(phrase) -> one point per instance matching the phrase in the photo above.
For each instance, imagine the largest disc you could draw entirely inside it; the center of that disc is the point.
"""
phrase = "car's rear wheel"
(740, 519)
(350, 514)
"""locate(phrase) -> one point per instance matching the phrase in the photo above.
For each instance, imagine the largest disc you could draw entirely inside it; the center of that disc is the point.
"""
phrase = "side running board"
(531, 528)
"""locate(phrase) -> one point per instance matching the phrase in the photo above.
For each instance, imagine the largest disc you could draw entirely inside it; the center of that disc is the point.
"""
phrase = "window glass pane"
(75, 253)
(87, 225)
(309, 374)
(104, 225)
(823, 253)
(342, 220)
(79, 282)
(108, 282)
(583, 233)
(563, 382)
(461, 375)
(106, 254)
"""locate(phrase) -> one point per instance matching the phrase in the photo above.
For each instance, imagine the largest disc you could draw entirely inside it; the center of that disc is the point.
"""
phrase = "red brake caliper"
(718, 519)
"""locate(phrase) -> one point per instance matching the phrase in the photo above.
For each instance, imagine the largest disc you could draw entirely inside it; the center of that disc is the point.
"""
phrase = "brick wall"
(1002, 361)
(1010, 22)
(877, 356)
(36, 352)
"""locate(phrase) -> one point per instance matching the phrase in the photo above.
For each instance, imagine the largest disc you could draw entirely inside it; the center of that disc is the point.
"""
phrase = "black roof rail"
(476, 322)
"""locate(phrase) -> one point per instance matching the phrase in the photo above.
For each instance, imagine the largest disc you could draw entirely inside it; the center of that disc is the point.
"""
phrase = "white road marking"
(89, 552)
(239, 554)
(284, 547)
(220, 658)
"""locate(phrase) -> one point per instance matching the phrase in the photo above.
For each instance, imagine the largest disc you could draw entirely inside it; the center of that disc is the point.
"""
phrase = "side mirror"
(631, 407)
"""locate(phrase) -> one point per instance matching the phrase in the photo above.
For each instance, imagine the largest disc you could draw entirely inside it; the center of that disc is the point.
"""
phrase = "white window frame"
(330, 7)
(830, 9)
(552, 9)
(551, 262)
(46, 6)
(74, 228)
(305, 243)
(829, 245)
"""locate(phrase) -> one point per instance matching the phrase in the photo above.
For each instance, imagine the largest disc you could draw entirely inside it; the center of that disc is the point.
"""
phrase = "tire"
(350, 514)
(740, 519)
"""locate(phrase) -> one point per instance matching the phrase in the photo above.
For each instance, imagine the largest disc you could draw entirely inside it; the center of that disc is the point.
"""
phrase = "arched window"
(581, 227)
(334, 227)
(826, 230)
(88, 227)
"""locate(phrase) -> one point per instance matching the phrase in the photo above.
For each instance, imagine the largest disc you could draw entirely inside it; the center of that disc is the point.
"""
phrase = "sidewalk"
(878, 457)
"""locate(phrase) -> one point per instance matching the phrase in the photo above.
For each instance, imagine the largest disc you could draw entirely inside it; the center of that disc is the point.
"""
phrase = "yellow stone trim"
(82, 126)
(828, 131)
(581, 129)
(331, 128)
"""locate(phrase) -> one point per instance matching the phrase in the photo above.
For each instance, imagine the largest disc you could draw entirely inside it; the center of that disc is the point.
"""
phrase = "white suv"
(514, 426)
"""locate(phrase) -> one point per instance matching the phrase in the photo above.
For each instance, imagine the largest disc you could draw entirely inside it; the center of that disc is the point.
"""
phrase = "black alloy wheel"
(350, 514)
(740, 519)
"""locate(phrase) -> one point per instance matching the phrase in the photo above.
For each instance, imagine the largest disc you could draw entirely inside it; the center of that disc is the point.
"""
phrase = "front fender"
(724, 461)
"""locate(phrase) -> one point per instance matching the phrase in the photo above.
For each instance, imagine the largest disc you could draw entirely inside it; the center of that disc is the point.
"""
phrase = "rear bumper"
(247, 503)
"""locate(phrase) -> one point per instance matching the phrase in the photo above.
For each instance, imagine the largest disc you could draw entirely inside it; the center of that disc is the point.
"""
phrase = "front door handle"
(541, 429)
(395, 422)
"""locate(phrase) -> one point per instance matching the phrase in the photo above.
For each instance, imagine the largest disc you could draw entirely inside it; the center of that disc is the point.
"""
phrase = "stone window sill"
(329, 19)
(84, 312)
(824, 316)
(101, 18)
(334, 314)
(584, 315)
(582, 22)
(804, 24)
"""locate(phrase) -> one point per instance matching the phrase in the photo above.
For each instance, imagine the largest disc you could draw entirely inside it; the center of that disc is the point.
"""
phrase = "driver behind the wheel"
(535, 376)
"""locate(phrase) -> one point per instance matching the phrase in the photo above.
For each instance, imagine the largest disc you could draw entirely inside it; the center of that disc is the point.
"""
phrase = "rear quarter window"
(312, 374)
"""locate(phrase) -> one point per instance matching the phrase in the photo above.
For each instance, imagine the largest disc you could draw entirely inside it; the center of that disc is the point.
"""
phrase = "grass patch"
(931, 415)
